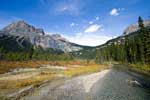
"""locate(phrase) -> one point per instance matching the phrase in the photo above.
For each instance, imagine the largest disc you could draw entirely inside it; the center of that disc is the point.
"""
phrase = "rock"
(22, 28)
(134, 83)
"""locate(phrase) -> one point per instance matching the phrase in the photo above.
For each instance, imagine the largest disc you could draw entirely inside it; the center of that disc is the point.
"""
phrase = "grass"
(35, 80)
(9, 86)
(81, 68)
(6, 66)
(140, 68)
(84, 69)
(15, 84)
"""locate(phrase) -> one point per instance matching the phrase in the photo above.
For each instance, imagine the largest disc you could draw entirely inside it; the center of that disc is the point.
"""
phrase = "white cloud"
(78, 35)
(93, 28)
(114, 12)
(91, 22)
(72, 24)
(97, 18)
(88, 39)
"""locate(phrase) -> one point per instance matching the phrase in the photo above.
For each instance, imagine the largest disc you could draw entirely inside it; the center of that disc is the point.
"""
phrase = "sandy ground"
(87, 81)
(24, 73)
(18, 76)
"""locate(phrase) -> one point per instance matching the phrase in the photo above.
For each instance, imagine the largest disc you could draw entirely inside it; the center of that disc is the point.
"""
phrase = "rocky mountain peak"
(56, 35)
(134, 27)
(20, 27)
(20, 22)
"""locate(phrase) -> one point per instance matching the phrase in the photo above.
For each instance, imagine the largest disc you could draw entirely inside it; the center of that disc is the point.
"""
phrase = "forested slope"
(129, 48)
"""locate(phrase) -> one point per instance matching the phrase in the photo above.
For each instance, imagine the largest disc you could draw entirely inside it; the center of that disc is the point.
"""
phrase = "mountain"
(134, 27)
(22, 31)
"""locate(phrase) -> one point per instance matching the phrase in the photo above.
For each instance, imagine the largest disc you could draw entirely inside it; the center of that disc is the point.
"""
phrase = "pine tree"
(144, 38)
(97, 58)
(148, 47)
(127, 49)
(138, 48)
(31, 52)
(1, 52)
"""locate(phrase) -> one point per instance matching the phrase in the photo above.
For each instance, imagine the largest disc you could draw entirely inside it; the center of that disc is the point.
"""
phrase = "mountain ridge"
(38, 37)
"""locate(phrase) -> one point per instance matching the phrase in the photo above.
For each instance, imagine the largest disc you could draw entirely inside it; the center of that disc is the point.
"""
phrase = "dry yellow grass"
(84, 69)
(6, 66)
(36, 80)
(140, 68)
(80, 69)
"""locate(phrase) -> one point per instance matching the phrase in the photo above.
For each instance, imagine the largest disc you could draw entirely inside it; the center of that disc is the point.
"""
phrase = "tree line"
(34, 54)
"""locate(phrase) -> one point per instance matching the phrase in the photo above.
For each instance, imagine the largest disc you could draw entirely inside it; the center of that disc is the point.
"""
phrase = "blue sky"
(86, 22)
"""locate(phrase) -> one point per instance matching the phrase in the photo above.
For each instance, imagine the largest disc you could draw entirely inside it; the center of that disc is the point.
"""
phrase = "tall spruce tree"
(31, 52)
(127, 49)
(144, 39)
(148, 47)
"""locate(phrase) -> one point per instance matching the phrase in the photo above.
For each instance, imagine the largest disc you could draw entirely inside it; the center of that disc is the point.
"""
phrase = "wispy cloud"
(93, 28)
(91, 22)
(97, 18)
(73, 24)
(72, 8)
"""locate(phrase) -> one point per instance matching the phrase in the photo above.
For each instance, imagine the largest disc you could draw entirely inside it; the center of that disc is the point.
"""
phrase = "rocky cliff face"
(134, 27)
(38, 38)
(22, 28)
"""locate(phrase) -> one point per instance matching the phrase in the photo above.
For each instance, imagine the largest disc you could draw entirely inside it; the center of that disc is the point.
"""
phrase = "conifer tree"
(31, 52)
(144, 39)
(127, 48)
